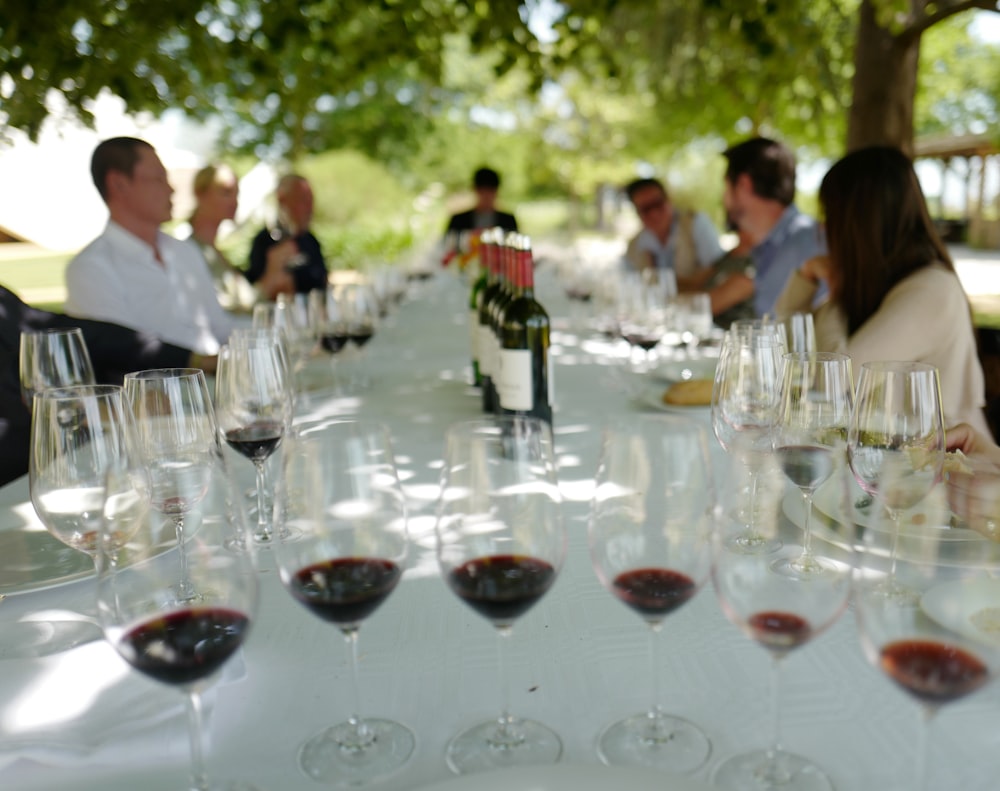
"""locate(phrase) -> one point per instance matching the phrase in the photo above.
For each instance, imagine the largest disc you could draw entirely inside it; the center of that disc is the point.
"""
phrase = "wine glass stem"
(895, 516)
(362, 736)
(752, 516)
(807, 530)
(185, 588)
(505, 722)
(263, 527)
(920, 764)
(199, 780)
(655, 713)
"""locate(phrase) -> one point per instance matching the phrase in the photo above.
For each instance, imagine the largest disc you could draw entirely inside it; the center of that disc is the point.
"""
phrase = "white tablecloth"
(81, 719)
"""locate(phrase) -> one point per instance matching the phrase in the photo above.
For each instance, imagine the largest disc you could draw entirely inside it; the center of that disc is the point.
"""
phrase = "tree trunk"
(884, 86)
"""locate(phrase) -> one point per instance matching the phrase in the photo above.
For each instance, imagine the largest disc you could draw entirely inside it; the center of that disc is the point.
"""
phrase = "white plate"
(932, 512)
(969, 607)
(671, 371)
(569, 777)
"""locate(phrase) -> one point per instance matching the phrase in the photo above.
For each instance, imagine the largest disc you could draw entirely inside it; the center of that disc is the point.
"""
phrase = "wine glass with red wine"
(780, 612)
(650, 543)
(501, 544)
(327, 319)
(184, 644)
(346, 508)
(253, 408)
(940, 644)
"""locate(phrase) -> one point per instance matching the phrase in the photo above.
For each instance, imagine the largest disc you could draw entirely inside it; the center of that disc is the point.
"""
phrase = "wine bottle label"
(485, 345)
(474, 334)
(516, 389)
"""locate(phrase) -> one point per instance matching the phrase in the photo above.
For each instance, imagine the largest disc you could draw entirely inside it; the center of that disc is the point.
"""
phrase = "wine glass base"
(806, 567)
(482, 747)
(753, 544)
(332, 757)
(670, 744)
(762, 769)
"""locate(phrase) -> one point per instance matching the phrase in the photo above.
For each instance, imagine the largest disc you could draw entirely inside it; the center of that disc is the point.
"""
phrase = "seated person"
(290, 244)
(486, 185)
(759, 199)
(134, 274)
(729, 302)
(671, 238)
(216, 190)
(114, 352)
(973, 483)
(893, 291)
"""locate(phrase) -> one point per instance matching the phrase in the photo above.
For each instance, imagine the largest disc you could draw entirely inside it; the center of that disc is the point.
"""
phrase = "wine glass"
(349, 517)
(183, 644)
(693, 317)
(53, 358)
(76, 434)
(799, 331)
(895, 442)
(176, 439)
(501, 543)
(941, 644)
(253, 409)
(360, 310)
(744, 409)
(814, 411)
(780, 612)
(650, 544)
(326, 317)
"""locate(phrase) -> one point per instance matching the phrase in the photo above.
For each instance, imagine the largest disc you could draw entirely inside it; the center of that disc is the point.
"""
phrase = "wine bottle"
(484, 338)
(526, 365)
(499, 305)
(475, 295)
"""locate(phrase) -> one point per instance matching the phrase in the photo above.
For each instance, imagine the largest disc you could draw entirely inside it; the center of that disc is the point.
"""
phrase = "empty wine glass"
(253, 409)
(53, 358)
(744, 409)
(76, 434)
(501, 544)
(940, 644)
(780, 612)
(349, 517)
(810, 433)
(183, 644)
(895, 441)
(650, 544)
(799, 332)
(177, 441)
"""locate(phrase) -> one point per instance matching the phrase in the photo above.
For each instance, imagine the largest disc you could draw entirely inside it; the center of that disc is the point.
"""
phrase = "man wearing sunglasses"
(671, 238)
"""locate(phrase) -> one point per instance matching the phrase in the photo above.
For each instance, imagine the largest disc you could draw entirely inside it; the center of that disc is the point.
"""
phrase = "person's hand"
(276, 278)
(207, 362)
(816, 269)
(973, 483)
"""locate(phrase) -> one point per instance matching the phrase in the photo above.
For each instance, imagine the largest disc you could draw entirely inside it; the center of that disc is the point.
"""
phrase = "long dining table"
(73, 715)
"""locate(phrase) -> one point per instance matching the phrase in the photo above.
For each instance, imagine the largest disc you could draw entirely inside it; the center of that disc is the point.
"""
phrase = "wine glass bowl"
(53, 358)
(650, 543)
(77, 432)
(348, 518)
(501, 543)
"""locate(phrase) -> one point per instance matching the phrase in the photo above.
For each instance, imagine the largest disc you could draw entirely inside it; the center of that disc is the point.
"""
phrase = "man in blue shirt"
(759, 195)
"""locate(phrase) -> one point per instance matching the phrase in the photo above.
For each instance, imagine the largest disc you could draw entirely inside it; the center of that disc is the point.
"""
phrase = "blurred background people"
(671, 238)
(486, 185)
(893, 291)
(216, 193)
(134, 274)
(291, 243)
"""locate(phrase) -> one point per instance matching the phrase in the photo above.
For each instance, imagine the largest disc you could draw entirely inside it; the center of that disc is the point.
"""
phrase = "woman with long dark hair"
(893, 291)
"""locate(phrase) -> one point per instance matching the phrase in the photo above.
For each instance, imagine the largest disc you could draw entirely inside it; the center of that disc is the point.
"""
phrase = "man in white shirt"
(671, 238)
(134, 274)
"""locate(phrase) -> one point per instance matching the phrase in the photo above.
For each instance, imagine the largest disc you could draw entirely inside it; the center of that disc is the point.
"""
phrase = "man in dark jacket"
(114, 351)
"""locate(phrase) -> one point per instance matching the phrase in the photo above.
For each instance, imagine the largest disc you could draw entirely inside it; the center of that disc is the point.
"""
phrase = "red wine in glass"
(186, 645)
(361, 335)
(644, 340)
(779, 631)
(333, 342)
(502, 587)
(256, 441)
(345, 591)
(654, 593)
(931, 671)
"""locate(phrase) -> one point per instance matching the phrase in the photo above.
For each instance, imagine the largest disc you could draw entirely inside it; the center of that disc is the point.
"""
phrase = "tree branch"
(943, 10)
